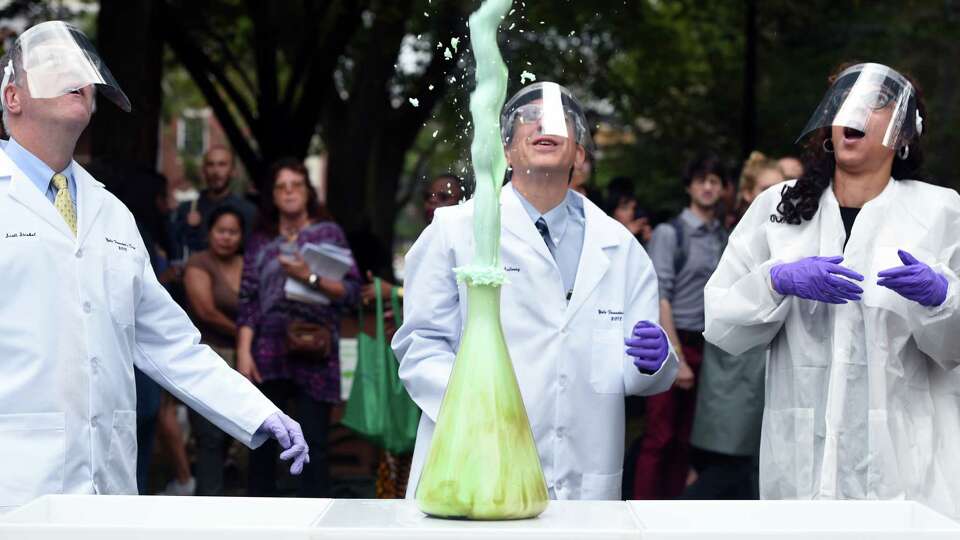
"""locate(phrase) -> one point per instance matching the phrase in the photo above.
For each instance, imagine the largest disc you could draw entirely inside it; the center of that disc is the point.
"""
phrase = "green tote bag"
(379, 407)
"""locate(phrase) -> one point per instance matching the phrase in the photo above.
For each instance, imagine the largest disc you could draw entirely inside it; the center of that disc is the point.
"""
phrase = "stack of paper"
(326, 261)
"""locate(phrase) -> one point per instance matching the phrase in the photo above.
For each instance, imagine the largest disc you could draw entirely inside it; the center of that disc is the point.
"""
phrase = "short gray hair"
(15, 55)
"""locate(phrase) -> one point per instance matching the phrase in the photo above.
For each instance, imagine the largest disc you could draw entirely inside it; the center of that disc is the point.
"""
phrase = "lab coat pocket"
(123, 284)
(606, 361)
(32, 454)
(601, 487)
(122, 455)
(786, 454)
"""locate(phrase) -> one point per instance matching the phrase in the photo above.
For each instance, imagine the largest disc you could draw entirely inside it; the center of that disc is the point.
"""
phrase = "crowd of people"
(792, 329)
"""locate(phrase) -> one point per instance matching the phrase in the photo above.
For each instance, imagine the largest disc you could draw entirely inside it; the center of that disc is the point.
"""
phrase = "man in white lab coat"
(576, 310)
(81, 304)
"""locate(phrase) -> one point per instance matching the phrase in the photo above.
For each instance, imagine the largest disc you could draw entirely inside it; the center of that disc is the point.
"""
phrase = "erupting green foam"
(483, 461)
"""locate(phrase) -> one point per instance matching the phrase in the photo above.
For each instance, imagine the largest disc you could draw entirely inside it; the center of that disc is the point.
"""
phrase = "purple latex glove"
(288, 433)
(817, 278)
(648, 347)
(915, 281)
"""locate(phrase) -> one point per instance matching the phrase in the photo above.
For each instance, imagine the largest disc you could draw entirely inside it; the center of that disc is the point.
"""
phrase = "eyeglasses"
(289, 186)
(440, 197)
(533, 112)
(874, 98)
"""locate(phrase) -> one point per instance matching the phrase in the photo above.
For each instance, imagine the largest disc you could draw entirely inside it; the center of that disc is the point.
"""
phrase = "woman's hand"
(295, 267)
(247, 367)
(369, 293)
(685, 377)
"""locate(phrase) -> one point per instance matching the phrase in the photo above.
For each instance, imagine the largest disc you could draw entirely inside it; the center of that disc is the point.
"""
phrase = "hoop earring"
(828, 146)
(904, 152)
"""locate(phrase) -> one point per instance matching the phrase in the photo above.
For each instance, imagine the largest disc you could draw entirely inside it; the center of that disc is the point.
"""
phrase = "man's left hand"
(288, 433)
(915, 281)
(648, 346)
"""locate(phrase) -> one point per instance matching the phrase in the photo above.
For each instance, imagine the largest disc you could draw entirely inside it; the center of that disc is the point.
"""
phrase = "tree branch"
(305, 52)
(266, 64)
(206, 66)
(317, 88)
(449, 23)
(197, 64)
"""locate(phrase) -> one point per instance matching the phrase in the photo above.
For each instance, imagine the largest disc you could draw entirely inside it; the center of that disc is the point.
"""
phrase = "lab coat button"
(95, 363)
(560, 432)
(86, 307)
(79, 254)
(563, 381)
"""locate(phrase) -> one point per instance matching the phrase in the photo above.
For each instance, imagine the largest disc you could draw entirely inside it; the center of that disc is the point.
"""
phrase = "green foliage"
(664, 79)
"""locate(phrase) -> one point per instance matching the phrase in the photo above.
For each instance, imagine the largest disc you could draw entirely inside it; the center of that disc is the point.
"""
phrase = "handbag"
(309, 342)
(379, 407)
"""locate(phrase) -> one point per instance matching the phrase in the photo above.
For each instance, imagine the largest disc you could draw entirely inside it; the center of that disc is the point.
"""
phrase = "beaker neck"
(483, 299)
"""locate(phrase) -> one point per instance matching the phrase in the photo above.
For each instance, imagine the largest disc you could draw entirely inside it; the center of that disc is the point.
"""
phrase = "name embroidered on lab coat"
(122, 246)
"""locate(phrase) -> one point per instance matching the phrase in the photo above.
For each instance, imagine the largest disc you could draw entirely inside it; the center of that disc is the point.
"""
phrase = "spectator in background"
(791, 167)
(272, 330)
(212, 282)
(444, 190)
(621, 204)
(726, 427)
(190, 217)
(580, 179)
(685, 251)
(759, 173)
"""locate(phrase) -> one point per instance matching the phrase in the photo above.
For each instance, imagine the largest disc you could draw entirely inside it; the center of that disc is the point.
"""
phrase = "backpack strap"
(683, 244)
(680, 254)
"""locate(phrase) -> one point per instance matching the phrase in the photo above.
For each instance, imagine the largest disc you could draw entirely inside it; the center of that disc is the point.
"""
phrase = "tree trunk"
(748, 136)
(131, 44)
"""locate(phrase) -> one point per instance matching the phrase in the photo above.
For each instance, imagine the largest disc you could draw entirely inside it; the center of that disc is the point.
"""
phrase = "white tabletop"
(220, 518)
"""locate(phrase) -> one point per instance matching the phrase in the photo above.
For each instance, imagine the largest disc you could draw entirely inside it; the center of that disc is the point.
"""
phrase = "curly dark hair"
(800, 202)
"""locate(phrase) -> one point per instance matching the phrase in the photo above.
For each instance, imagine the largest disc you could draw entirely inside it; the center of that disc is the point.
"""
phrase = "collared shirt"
(684, 290)
(39, 173)
(567, 224)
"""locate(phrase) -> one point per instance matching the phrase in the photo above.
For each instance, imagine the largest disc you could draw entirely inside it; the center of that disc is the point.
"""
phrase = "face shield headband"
(58, 59)
(553, 107)
(869, 97)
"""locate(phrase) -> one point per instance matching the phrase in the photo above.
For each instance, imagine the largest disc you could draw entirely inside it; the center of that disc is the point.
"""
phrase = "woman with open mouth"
(849, 276)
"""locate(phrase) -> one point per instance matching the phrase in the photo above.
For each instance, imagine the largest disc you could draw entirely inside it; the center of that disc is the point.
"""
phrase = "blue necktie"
(545, 233)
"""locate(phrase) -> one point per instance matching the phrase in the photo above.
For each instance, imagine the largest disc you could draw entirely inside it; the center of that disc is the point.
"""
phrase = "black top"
(848, 215)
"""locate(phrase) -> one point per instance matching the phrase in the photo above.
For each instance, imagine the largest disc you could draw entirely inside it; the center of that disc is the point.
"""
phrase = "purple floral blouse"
(264, 308)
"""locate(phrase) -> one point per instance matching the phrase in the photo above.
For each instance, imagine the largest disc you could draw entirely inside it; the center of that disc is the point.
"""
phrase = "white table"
(220, 518)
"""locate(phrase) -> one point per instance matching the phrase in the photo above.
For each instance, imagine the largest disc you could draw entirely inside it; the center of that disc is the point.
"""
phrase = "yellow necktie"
(64, 203)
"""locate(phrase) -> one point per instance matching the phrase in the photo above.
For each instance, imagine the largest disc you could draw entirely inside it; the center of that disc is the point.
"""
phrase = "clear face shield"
(58, 60)
(868, 97)
(550, 106)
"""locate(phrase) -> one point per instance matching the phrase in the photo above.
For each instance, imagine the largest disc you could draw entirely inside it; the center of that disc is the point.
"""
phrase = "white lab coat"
(862, 399)
(570, 360)
(77, 314)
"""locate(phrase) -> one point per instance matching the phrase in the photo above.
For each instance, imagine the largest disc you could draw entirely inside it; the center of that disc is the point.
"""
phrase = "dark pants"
(148, 403)
(664, 458)
(211, 446)
(314, 418)
(722, 476)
